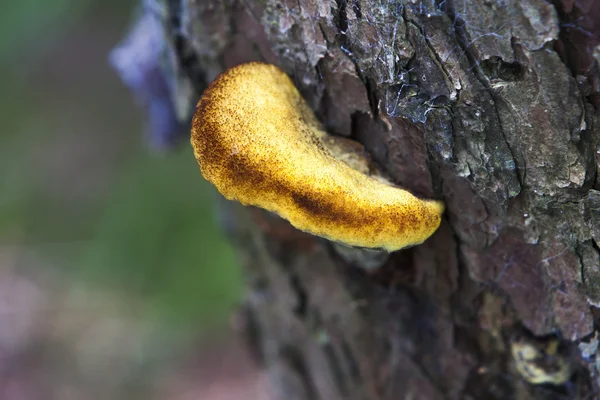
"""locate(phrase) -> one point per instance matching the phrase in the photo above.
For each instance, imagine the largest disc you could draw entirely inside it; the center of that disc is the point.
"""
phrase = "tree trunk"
(492, 106)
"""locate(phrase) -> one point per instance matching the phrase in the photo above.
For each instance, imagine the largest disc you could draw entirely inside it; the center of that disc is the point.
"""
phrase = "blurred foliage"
(77, 184)
(159, 234)
(23, 22)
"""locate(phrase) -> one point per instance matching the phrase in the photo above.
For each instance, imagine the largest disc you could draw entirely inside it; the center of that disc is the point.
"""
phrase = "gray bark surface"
(491, 106)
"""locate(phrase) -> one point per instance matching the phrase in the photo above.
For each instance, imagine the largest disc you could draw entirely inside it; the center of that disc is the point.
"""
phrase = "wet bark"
(491, 106)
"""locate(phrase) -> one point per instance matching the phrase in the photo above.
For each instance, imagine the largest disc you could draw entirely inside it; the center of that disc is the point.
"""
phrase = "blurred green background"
(86, 209)
(80, 186)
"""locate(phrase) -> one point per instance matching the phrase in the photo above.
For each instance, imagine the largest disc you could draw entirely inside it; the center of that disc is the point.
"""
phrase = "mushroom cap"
(259, 143)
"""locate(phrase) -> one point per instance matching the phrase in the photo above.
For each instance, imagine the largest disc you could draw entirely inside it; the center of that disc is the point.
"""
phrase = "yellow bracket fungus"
(259, 143)
(541, 362)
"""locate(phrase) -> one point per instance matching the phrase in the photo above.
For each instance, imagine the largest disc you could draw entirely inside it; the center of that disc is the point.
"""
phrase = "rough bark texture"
(490, 105)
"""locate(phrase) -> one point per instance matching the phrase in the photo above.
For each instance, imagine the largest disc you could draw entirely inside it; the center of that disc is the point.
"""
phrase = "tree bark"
(492, 106)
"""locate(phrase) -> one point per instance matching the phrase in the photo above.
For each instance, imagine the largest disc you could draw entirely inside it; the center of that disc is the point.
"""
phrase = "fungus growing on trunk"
(259, 143)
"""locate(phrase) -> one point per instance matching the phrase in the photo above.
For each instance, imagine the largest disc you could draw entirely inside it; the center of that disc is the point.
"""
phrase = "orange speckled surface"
(259, 143)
